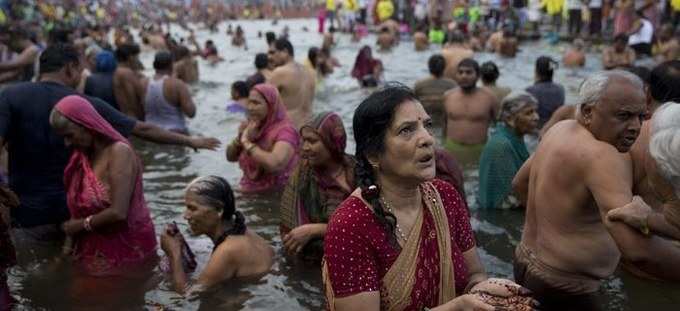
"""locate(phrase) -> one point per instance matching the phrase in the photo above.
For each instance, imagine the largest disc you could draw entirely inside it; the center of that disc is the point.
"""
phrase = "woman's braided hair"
(371, 121)
(217, 192)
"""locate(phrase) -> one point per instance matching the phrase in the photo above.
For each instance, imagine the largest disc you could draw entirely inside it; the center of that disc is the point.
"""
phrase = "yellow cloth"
(351, 5)
(675, 4)
(385, 10)
(553, 7)
(330, 5)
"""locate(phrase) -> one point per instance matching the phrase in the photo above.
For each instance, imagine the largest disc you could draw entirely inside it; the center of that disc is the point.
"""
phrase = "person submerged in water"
(237, 252)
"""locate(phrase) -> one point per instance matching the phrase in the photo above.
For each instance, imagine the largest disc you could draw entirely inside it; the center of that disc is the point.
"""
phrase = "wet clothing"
(159, 111)
(311, 197)
(37, 155)
(276, 127)
(550, 96)
(116, 248)
(503, 155)
(100, 85)
(359, 257)
(553, 288)
(466, 154)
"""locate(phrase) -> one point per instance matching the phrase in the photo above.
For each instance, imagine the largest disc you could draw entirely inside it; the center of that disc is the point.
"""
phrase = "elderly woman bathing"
(402, 240)
(110, 224)
(505, 152)
(238, 252)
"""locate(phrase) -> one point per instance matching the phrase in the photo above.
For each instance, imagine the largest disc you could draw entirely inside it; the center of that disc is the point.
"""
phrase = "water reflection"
(295, 286)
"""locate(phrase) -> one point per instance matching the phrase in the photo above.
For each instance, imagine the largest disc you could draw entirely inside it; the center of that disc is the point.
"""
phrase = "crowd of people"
(389, 226)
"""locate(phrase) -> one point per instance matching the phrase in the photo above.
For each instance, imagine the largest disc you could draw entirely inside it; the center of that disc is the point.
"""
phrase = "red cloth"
(358, 253)
(364, 64)
(112, 249)
(275, 127)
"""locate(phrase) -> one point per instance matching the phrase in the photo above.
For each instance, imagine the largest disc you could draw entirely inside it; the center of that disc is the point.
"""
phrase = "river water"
(290, 286)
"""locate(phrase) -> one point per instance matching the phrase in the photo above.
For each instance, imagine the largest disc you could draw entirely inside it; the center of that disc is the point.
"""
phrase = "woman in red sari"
(110, 226)
(402, 240)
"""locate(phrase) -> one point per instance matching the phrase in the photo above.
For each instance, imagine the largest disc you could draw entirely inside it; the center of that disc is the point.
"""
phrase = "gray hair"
(592, 89)
(58, 120)
(514, 102)
(664, 143)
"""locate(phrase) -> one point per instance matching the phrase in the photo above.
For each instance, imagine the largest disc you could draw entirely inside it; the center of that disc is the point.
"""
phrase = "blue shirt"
(37, 154)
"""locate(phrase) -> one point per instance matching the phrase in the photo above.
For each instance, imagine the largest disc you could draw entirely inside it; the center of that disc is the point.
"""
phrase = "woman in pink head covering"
(367, 70)
(267, 143)
(110, 225)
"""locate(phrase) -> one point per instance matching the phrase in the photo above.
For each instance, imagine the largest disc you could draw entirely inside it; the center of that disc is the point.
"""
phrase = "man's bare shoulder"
(453, 94)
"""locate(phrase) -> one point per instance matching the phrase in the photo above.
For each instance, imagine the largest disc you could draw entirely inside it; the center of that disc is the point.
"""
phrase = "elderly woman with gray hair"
(505, 151)
(662, 164)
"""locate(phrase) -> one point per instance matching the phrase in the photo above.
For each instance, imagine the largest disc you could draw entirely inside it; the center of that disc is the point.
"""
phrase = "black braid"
(365, 178)
(239, 225)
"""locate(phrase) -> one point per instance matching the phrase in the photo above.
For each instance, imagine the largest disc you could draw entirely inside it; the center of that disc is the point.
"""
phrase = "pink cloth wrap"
(115, 248)
(275, 127)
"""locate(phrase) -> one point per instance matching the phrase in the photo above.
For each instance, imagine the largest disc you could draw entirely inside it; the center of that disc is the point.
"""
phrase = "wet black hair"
(59, 35)
(162, 61)
(261, 61)
(372, 118)
(312, 56)
(182, 52)
(436, 64)
(489, 72)
(270, 36)
(471, 63)
(210, 42)
(217, 193)
(241, 88)
(283, 44)
(545, 68)
(664, 82)
(58, 55)
(127, 50)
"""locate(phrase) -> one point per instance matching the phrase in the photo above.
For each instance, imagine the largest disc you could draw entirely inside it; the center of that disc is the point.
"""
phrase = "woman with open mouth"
(403, 240)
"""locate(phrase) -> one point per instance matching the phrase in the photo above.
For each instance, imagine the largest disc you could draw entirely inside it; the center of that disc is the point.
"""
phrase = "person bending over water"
(110, 225)
(295, 83)
(367, 70)
(168, 99)
(237, 251)
(267, 143)
(470, 111)
(505, 151)
(319, 183)
(568, 246)
(402, 240)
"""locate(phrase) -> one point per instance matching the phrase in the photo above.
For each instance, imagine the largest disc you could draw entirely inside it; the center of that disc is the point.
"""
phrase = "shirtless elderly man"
(654, 157)
(295, 83)
(469, 112)
(580, 171)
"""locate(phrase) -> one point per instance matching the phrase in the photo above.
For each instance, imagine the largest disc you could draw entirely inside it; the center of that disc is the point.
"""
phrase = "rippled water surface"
(295, 287)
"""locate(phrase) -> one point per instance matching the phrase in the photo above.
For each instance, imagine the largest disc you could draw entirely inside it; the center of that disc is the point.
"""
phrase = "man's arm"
(26, 58)
(153, 133)
(520, 184)
(609, 178)
(186, 104)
